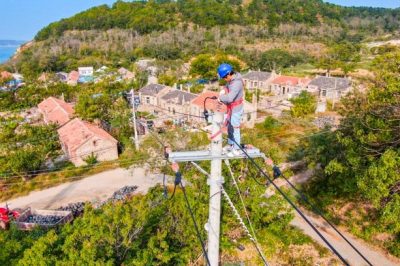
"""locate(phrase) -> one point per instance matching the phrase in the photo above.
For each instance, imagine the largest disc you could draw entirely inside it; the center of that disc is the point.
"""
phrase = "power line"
(252, 236)
(61, 172)
(291, 203)
(319, 212)
(36, 172)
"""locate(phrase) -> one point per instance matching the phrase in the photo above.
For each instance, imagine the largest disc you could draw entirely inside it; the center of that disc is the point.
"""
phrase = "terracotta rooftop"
(288, 80)
(75, 133)
(210, 104)
(56, 110)
(5, 75)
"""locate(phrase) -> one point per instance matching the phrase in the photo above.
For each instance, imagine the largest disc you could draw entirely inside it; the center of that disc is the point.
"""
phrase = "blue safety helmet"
(224, 69)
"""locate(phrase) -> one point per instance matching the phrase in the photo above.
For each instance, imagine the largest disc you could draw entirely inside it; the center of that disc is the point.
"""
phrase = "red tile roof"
(210, 104)
(75, 133)
(73, 75)
(288, 80)
(5, 75)
(56, 110)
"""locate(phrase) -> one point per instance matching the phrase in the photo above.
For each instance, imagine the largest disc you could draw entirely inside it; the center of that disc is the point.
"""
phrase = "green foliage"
(91, 159)
(146, 17)
(278, 59)
(303, 105)
(25, 148)
(205, 65)
(344, 55)
(167, 79)
(271, 123)
(361, 160)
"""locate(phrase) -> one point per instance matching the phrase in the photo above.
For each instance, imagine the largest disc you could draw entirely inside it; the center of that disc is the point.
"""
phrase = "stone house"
(73, 78)
(286, 86)
(80, 139)
(197, 108)
(56, 111)
(258, 80)
(85, 71)
(329, 88)
(150, 97)
(177, 101)
(126, 74)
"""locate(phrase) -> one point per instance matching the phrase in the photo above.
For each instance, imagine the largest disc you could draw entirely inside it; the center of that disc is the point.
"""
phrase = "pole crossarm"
(206, 155)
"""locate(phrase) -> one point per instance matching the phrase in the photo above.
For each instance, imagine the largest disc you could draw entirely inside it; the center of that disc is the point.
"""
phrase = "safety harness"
(230, 107)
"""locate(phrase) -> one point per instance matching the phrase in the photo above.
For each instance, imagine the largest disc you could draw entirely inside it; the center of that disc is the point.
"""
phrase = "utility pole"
(215, 182)
(134, 119)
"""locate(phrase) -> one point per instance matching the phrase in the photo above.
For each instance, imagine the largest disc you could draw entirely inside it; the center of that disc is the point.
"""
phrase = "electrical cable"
(178, 180)
(291, 203)
(253, 237)
(319, 212)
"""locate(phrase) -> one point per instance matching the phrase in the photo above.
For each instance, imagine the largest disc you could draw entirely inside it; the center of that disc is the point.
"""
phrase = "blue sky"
(22, 19)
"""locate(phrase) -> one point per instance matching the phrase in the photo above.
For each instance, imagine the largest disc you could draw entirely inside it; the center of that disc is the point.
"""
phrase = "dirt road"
(97, 187)
(376, 257)
(101, 186)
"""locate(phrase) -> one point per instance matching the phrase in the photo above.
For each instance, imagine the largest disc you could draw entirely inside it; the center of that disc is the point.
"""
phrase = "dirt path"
(373, 254)
(101, 186)
(97, 187)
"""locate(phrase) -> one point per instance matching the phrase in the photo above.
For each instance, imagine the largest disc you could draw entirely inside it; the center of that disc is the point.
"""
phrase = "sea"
(8, 48)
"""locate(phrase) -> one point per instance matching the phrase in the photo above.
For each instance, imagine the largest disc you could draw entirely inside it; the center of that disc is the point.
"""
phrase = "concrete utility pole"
(134, 119)
(215, 183)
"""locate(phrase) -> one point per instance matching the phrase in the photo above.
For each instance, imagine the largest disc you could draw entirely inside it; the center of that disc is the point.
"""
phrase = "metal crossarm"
(205, 155)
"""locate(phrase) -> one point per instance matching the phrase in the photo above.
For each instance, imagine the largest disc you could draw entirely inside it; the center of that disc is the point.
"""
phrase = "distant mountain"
(7, 43)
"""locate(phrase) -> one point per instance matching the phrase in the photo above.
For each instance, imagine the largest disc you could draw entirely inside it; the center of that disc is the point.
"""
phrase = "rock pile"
(44, 219)
(324, 121)
(122, 193)
(75, 208)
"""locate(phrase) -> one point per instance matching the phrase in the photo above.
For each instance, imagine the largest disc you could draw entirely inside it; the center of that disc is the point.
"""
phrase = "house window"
(173, 110)
(256, 84)
(323, 93)
(147, 100)
(94, 143)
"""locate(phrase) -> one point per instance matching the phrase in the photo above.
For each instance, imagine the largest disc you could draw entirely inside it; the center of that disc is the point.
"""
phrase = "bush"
(303, 105)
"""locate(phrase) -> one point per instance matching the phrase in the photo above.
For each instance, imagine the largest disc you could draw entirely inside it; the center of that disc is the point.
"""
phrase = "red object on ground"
(6, 215)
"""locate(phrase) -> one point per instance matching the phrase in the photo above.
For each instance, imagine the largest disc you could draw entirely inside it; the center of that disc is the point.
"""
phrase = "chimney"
(175, 86)
(181, 87)
(188, 89)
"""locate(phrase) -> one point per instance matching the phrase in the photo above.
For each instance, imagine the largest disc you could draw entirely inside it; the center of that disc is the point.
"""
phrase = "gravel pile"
(324, 121)
(75, 208)
(122, 193)
(44, 219)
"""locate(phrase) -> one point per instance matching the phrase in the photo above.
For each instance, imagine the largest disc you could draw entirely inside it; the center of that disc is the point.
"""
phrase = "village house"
(85, 71)
(150, 97)
(286, 86)
(197, 108)
(85, 74)
(80, 139)
(62, 76)
(258, 80)
(73, 77)
(329, 88)
(11, 81)
(126, 74)
(177, 101)
(55, 111)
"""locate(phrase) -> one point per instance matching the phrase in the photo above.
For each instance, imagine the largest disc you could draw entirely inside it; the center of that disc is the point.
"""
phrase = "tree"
(303, 105)
(362, 158)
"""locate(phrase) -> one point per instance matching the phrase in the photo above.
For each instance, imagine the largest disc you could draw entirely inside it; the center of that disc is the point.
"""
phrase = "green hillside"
(162, 15)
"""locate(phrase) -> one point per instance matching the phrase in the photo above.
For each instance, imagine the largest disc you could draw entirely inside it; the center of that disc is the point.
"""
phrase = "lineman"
(232, 95)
